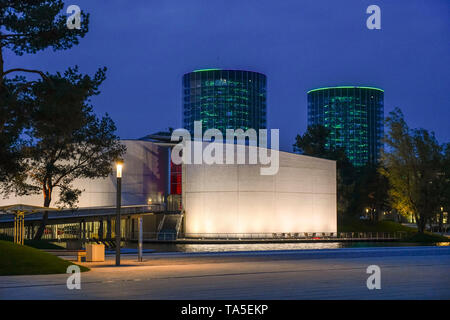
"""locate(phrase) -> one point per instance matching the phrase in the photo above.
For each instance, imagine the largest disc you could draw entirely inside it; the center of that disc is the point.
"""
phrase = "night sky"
(148, 46)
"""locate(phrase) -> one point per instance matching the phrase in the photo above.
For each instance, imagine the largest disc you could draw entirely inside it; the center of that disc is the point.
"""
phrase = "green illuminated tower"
(224, 99)
(355, 117)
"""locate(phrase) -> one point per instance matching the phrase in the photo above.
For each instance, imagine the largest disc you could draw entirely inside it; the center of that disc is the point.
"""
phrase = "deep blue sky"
(148, 46)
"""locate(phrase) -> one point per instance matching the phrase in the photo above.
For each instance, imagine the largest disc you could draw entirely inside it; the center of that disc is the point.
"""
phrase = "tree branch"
(6, 36)
(42, 74)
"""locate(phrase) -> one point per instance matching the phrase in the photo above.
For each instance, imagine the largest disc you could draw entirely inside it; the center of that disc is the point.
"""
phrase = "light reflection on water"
(165, 247)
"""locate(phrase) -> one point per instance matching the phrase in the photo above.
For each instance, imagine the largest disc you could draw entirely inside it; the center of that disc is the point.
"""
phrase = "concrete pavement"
(406, 273)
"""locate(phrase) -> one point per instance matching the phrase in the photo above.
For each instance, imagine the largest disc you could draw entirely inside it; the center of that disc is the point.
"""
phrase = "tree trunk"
(421, 223)
(47, 199)
(42, 226)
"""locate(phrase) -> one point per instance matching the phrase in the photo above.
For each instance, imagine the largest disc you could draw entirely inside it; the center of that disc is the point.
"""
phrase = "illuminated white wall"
(144, 176)
(301, 197)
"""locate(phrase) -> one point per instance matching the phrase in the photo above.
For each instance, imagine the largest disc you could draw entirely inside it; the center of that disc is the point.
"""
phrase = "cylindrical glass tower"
(355, 117)
(224, 99)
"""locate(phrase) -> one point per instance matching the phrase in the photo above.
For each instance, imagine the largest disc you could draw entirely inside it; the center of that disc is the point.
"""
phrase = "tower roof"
(345, 87)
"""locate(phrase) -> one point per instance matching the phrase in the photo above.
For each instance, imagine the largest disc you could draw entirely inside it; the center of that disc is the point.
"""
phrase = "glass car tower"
(355, 118)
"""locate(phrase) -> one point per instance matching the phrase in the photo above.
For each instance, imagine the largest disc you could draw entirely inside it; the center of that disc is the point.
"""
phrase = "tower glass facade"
(354, 116)
(224, 99)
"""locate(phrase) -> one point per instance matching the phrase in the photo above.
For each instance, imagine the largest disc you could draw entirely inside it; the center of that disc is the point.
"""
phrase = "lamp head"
(119, 166)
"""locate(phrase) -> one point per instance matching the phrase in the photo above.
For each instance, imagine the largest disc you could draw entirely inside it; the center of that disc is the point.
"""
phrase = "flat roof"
(93, 213)
(345, 87)
(217, 69)
(201, 70)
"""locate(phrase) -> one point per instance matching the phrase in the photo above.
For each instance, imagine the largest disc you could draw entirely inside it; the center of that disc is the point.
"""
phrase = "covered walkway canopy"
(81, 214)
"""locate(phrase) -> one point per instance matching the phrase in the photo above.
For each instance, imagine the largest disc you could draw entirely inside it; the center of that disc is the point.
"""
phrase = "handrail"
(278, 236)
(161, 223)
(180, 219)
(73, 232)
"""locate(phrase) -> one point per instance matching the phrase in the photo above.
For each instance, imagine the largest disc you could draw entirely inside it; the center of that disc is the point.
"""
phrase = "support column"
(108, 228)
(100, 230)
(22, 228)
(140, 239)
(32, 231)
(15, 228)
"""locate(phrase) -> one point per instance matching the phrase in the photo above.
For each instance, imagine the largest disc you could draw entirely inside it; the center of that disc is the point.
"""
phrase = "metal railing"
(338, 236)
(67, 232)
(179, 222)
(73, 232)
(300, 235)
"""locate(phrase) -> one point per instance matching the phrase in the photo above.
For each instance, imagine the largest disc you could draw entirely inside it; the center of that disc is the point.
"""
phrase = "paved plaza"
(406, 273)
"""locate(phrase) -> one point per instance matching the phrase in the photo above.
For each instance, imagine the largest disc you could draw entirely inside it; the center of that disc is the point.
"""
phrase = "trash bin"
(95, 252)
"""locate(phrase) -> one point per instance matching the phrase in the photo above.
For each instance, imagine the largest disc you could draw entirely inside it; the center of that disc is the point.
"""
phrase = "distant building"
(355, 117)
(196, 201)
(236, 200)
(224, 99)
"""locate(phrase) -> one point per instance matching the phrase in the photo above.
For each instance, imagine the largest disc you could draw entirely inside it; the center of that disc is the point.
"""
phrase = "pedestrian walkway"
(406, 273)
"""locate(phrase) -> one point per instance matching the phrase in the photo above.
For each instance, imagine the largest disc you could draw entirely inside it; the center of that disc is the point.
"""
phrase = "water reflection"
(165, 247)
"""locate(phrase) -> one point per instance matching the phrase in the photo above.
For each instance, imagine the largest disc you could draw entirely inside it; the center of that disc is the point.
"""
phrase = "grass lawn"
(21, 260)
(372, 226)
(427, 237)
(42, 244)
(38, 244)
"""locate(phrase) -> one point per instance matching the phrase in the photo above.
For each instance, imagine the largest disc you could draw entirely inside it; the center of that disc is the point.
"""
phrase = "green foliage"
(20, 260)
(356, 225)
(66, 140)
(36, 25)
(49, 133)
(26, 27)
(68, 197)
(313, 142)
(413, 164)
(444, 183)
(14, 114)
(371, 193)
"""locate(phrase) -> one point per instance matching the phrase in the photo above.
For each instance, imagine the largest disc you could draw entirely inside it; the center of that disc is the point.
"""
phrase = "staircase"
(169, 227)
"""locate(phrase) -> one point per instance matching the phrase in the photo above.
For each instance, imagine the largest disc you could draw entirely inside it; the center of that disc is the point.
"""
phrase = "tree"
(14, 111)
(34, 25)
(66, 140)
(444, 185)
(371, 192)
(413, 165)
(314, 142)
(26, 27)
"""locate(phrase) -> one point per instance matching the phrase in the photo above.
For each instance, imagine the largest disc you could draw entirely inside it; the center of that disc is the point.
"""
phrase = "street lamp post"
(119, 166)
